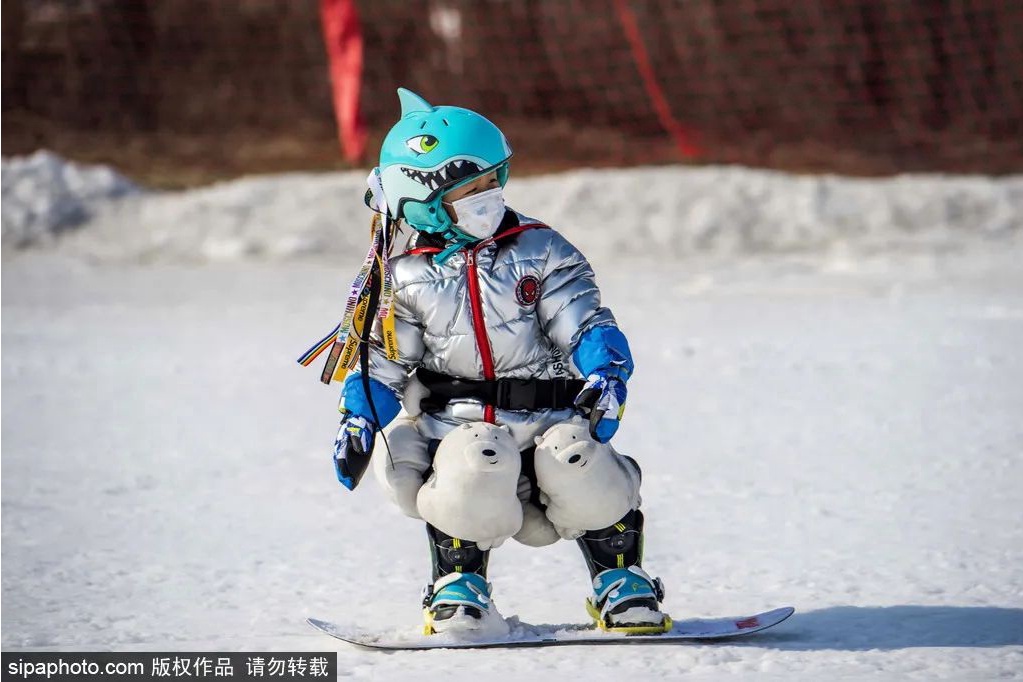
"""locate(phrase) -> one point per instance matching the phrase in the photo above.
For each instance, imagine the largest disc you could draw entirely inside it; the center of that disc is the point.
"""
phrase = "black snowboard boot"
(458, 599)
(625, 598)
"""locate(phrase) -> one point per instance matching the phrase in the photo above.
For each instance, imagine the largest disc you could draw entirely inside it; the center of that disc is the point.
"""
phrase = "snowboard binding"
(627, 600)
(458, 602)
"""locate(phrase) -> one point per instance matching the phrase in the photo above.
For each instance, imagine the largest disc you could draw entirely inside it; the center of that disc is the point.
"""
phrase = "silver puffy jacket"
(513, 306)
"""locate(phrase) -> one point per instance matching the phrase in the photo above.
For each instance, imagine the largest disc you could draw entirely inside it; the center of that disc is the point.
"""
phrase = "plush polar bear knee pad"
(410, 458)
(586, 485)
(471, 494)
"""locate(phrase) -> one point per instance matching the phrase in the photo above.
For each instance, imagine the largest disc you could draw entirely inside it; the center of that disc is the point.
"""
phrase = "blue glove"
(603, 399)
(354, 442)
(603, 357)
(352, 448)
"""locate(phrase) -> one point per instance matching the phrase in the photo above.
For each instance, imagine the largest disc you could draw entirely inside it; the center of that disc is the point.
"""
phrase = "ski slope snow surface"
(844, 435)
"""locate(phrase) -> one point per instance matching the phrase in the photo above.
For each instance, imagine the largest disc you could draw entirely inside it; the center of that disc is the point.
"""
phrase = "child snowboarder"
(493, 318)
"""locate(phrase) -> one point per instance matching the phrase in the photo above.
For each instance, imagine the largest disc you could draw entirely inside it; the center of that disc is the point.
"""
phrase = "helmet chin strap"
(458, 239)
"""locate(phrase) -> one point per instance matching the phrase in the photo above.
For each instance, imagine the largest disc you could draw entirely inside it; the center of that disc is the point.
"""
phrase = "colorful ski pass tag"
(350, 351)
(357, 321)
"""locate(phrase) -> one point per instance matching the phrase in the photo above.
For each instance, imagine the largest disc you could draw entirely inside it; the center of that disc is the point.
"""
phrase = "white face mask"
(479, 215)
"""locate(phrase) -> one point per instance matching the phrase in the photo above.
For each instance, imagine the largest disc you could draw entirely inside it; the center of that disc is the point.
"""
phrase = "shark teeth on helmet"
(451, 172)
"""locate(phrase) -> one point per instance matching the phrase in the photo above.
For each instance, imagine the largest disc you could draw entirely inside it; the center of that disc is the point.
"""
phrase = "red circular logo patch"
(527, 290)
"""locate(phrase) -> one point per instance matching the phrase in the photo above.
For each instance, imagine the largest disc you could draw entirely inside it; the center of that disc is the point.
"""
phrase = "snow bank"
(731, 210)
(44, 195)
(673, 212)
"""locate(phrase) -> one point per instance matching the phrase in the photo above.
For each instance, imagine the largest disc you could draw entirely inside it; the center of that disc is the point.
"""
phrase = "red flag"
(342, 34)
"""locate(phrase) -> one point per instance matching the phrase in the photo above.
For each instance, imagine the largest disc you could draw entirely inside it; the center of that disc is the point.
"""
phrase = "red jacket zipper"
(479, 326)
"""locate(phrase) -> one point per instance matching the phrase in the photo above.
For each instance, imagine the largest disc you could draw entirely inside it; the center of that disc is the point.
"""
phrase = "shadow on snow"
(862, 628)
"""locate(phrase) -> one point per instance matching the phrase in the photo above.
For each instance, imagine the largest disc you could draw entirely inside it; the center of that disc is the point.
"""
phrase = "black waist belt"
(504, 394)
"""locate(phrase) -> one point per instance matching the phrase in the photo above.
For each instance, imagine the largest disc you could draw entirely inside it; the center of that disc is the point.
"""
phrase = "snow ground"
(844, 435)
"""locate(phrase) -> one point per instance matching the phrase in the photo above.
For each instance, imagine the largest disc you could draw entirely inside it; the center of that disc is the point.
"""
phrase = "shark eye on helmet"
(430, 151)
(422, 144)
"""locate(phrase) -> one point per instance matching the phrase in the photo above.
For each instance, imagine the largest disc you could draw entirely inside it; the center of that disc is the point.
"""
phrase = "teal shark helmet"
(429, 152)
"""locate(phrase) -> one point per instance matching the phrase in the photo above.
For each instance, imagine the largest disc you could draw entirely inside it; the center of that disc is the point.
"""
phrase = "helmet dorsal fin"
(411, 102)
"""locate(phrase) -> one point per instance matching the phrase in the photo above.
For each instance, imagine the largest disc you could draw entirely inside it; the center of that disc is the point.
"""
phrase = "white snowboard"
(526, 635)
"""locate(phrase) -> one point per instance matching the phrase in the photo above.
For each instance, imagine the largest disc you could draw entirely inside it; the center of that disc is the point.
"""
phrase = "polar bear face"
(585, 484)
(569, 444)
(472, 492)
(480, 447)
